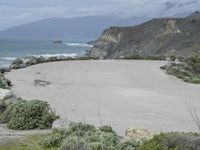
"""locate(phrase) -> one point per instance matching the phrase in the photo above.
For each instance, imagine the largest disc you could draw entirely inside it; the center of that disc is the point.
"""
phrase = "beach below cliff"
(121, 93)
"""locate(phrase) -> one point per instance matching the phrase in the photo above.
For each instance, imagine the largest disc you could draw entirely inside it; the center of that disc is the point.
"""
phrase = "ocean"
(12, 49)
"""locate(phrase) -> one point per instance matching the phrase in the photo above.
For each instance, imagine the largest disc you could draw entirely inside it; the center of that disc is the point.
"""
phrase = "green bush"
(4, 83)
(107, 129)
(188, 70)
(24, 115)
(53, 140)
(2, 106)
(95, 146)
(127, 145)
(172, 141)
(83, 136)
(95, 141)
(73, 143)
(79, 129)
(193, 64)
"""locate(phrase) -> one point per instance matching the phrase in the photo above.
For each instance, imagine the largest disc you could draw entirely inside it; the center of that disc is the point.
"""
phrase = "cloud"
(23, 11)
(187, 3)
(169, 5)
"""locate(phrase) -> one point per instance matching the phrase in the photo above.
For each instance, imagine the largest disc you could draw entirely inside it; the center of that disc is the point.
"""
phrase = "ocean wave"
(8, 58)
(56, 55)
(78, 44)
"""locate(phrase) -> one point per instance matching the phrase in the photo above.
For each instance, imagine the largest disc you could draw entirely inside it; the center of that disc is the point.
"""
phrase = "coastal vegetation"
(188, 70)
(20, 114)
(4, 83)
(81, 136)
(172, 141)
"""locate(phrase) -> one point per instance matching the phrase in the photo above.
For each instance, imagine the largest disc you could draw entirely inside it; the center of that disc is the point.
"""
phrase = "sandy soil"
(117, 92)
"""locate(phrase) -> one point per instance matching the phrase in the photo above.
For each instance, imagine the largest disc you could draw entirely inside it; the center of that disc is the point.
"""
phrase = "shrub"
(24, 115)
(53, 140)
(108, 140)
(172, 141)
(188, 70)
(194, 63)
(2, 106)
(107, 129)
(98, 139)
(95, 146)
(127, 145)
(4, 83)
(73, 143)
(79, 129)
(79, 136)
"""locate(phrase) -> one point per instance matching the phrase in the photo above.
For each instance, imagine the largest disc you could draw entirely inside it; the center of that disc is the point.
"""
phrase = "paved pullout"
(122, 93)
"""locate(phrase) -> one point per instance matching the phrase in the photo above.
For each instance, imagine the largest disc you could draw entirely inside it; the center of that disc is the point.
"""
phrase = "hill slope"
(62, 28)
(168, 36)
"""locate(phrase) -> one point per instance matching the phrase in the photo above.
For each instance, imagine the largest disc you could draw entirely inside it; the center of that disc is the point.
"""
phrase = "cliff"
(167, 36)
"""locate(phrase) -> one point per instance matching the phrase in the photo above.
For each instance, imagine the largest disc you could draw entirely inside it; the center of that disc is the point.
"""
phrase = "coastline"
(117, 92)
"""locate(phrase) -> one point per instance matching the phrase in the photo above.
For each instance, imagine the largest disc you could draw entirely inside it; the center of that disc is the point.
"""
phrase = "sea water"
(12, 49)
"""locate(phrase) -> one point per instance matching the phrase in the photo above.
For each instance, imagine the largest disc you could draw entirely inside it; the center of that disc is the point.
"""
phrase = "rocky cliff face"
(168, 36)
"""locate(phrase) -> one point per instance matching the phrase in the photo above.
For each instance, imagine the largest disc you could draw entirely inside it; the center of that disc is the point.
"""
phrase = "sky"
(16, 12)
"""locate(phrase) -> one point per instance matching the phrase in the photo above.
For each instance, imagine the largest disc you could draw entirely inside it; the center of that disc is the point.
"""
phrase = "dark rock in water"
(91, 42)
(167, 36)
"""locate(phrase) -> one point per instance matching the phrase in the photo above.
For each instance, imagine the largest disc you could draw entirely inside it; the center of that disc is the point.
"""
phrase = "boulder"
(138, 135)
(4, 69)
(5, 93)
(33, 60)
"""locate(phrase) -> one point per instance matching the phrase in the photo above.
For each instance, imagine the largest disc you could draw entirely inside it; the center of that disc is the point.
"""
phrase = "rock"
(121, 57)
(138, 135)
(5, 93)
(33, 60)
(177, 61)
(91, 42)
(4, 69)
(158, 37)
(18, 63)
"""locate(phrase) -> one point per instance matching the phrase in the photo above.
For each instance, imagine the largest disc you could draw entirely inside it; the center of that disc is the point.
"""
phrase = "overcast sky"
(15, 12)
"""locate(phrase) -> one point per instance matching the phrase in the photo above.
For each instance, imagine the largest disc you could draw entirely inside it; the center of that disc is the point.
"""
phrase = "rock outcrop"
(167, 36)
(34, 60)
(138, 135)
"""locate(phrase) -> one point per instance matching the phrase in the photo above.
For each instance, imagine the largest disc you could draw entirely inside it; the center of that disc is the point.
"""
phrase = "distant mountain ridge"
(165, 36)
(61, 28)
